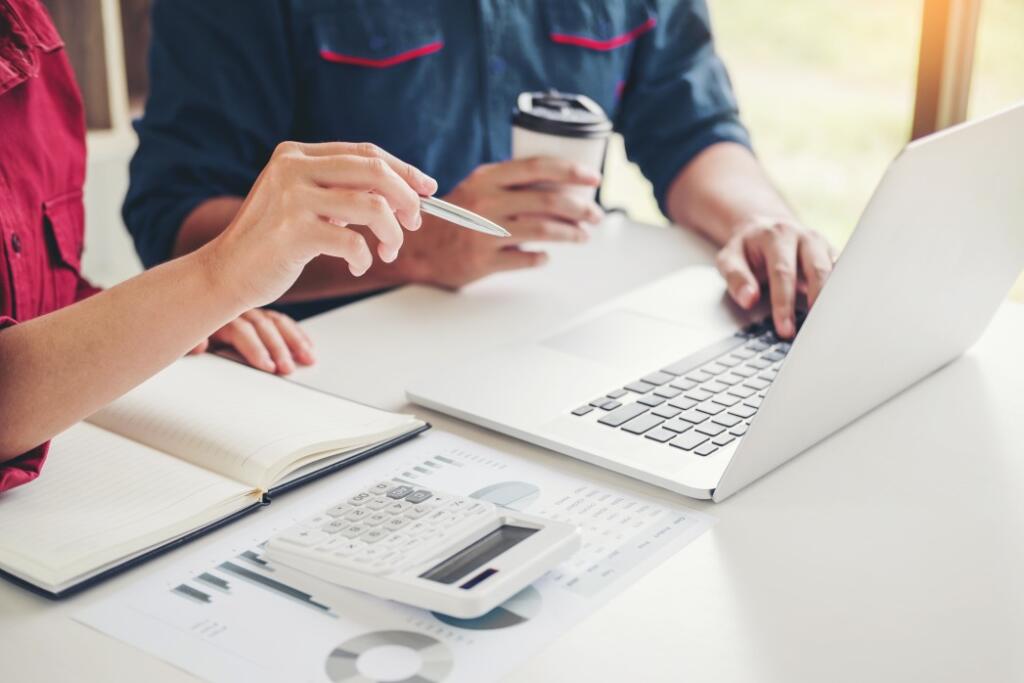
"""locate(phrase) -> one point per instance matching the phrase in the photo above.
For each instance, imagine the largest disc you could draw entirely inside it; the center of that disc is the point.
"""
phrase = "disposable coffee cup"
(563, 125)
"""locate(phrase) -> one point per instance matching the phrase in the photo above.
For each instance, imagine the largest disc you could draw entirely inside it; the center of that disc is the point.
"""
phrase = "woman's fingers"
(272, 340)
(299, 343)
(343, 207)
(418, 180)
(242, 336)
(370, 174)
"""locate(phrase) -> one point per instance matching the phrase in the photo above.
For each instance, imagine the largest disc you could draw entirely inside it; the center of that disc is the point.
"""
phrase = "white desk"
(893, 551)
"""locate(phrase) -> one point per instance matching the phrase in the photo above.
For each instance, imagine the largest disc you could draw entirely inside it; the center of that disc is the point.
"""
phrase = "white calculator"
(450, 554)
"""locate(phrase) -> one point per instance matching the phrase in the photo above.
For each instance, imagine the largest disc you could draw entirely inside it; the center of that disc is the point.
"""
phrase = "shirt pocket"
(64, 226)
(593, 44)
(373, 61)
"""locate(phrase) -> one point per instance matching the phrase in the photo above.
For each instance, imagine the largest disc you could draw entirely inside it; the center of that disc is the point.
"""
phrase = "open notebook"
(199, 444)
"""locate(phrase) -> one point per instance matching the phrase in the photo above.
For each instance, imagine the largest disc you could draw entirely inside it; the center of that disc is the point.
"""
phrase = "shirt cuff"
(677, 157)
(26, 467)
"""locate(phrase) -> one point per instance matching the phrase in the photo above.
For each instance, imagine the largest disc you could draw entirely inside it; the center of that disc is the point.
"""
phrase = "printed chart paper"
(232, 615)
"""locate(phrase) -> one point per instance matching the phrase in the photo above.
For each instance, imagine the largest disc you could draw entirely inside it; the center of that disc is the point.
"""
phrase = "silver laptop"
(648, 385)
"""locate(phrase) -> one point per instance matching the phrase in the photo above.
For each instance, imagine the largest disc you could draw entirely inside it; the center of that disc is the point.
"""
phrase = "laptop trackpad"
(630, 339)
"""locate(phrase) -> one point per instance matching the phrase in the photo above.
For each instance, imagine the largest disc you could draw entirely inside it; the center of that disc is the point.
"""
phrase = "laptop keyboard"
(700, 403)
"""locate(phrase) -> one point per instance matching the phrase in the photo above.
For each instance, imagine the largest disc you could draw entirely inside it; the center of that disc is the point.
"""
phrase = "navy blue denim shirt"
(432, 81)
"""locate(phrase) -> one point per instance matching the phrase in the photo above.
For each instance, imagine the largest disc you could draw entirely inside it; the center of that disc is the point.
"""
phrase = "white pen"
(461, 217)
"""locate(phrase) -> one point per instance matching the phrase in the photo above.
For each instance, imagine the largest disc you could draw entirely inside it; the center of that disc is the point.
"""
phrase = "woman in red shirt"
(79, 348)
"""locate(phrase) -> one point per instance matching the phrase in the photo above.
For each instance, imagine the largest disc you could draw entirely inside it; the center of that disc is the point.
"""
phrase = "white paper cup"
(562, 125)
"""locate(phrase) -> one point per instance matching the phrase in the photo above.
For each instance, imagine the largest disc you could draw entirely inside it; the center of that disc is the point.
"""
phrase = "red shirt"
(42, 168)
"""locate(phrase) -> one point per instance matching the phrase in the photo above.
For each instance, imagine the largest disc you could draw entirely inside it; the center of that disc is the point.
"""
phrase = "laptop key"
(618, 393)
(755, 383)
(753, 402)
(706, 450)
(642, 424)
(710, 407)
(743, 354)
(598, 402)
(723, 440)
(699, 376)
(677, 425)
(699, 395)
(683, 403)
(744, 412)
(758, 364)
(667, 392)
(729, 378)
(738, 430)
(742, 392)
(660, 434)
(773, 356)
(715, 387)
(757, 345)
(658, 378)
(744, 372)
(639, 387)
(726, 420)
(688, 441)
(666, 411)
(610, 405)
(651, 400)
(708, 353)
(710, 429)
(727, 400)
(622, 415)
(693, 416)
(728, 361)
(683, 384)
(582, 410)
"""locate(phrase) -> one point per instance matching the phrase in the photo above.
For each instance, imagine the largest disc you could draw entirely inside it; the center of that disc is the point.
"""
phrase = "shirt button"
(16, 243)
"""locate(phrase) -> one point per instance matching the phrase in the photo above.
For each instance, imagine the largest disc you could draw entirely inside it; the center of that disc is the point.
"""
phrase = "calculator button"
(377, 518)
(357, 514)
(373, 535)
(417, 497)
(360, 498)
(301, 536)
(346, 548)
(339, 510)
(396, 540)
(397, 507)
(379, 503)
(381, 488)
(395, 523)
(458, 504)
(334, 526)
(400, 492)
(418, 511)
(441, 500)
(354, 530)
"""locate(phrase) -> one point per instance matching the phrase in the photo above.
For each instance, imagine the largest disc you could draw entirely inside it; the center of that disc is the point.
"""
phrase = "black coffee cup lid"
(562, 114)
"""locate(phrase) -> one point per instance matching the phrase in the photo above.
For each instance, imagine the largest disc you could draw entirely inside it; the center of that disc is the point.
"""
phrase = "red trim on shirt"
(605, 45)
(337, 57)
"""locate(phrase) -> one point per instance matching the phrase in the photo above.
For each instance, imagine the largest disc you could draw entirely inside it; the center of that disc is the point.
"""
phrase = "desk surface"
(891, 551)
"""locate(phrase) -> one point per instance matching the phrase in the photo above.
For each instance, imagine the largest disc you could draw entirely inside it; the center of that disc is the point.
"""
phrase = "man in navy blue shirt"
(434, 82)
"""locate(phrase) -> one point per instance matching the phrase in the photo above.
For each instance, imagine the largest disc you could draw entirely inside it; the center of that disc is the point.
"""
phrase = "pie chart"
(521, 607)
(389, 657)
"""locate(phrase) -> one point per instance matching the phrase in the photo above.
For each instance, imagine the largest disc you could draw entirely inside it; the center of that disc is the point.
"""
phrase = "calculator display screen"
(475, 556)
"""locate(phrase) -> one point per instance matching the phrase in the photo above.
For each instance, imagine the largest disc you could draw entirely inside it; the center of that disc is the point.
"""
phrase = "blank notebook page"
(101, 497)
(241, 422)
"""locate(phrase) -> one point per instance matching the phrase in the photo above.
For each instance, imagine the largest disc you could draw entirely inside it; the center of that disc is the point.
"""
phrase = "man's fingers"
(815, 264)
(374, 174)
(243, 337)
(540, 170)
(272, 340)
(739, 278)
(535, 229)
(565, 206)
(513, 258)
(419, 181)
(362, 208)
(779, 249)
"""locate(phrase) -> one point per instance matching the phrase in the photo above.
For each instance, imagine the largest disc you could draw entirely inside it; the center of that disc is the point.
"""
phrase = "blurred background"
(830, 89)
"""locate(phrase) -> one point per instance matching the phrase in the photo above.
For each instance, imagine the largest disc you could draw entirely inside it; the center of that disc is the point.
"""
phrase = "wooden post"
(948, 32)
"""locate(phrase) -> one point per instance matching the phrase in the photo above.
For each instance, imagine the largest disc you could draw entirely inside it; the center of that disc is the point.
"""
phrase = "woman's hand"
(300, 207)
(267, 340)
